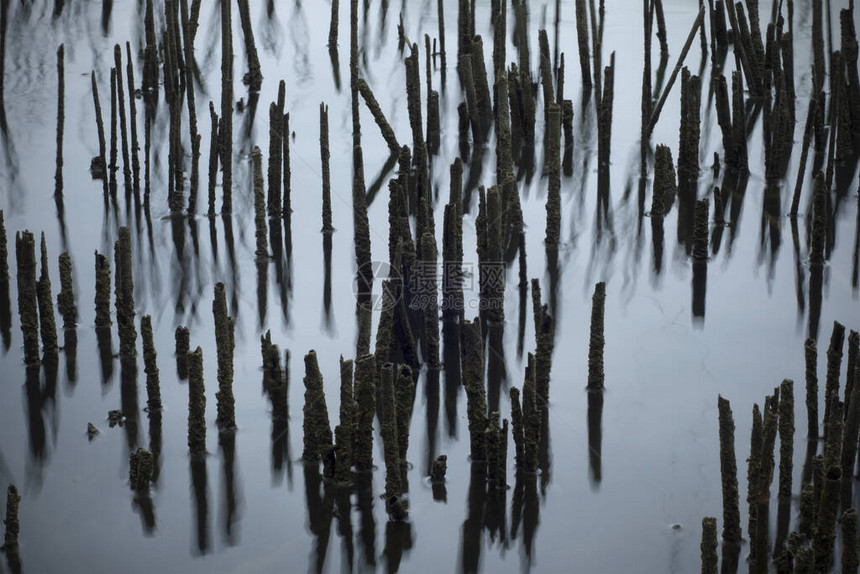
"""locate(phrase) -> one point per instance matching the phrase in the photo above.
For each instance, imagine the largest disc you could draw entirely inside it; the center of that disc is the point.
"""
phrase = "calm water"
(624, 496)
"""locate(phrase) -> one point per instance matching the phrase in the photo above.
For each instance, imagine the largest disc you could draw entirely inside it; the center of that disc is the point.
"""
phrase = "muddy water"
(621, 494)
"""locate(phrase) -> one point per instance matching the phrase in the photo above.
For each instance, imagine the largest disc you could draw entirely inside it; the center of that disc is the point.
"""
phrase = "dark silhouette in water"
(367, 524)
(595, 437)
(343, 512)
(335, 66)
(230, 511)
(770, 236)
(398, 541)
(451, 366)
(106, 356)
(37, 399)
(431, 397)
(700, 283)
(107, 8)
(470, 546)
(262, 290)
(496, 372)
(232, 282)
(328, 319)
(200, 492)
(320, 506)
(128, 400)
(155, 442)
(525, 513)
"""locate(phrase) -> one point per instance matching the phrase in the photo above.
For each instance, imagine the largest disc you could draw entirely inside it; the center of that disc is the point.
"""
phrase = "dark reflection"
(431, 398)
(107, 8)
(521, 315)
(201, 504)
(700, 286)
(213, 239)
(250, 113)
(381, 178)
(335, 66)
(495, 516)
(5, 316)
(799, 271)
(595, 437)
(262, 290)
(367, 524)
(37, 399)
(463, 132)
(103, 338)
(525, 512)
(281, 450)
(180, 263)
(142, 504)
(844, 177)
(770, 236)
(327, 316)
(152, 268)
(476, 171)
(231, 515)
(155, 442)
(660, 76)
(496, 373)
(195, 240)
(13, 559)
(686, 205)
(233, 279)
(61, 220)
(404, 480)
(320, 506)
(280, 419)
(383, 23)
(128, 399)
(657, 243)
(276, 241)
(719, 220)
(451, 365)
(642, 189)
(470, 546)
(299, 36)
(70, 350)
(816, 282)
(734, 190)
(344, 527)
(398, 541)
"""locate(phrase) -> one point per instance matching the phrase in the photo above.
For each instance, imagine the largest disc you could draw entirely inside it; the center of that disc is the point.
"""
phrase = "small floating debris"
(115, 418)
(92, 431)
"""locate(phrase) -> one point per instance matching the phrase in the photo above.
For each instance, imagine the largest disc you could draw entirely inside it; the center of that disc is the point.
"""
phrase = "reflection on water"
(200, 504)
(761, 300)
